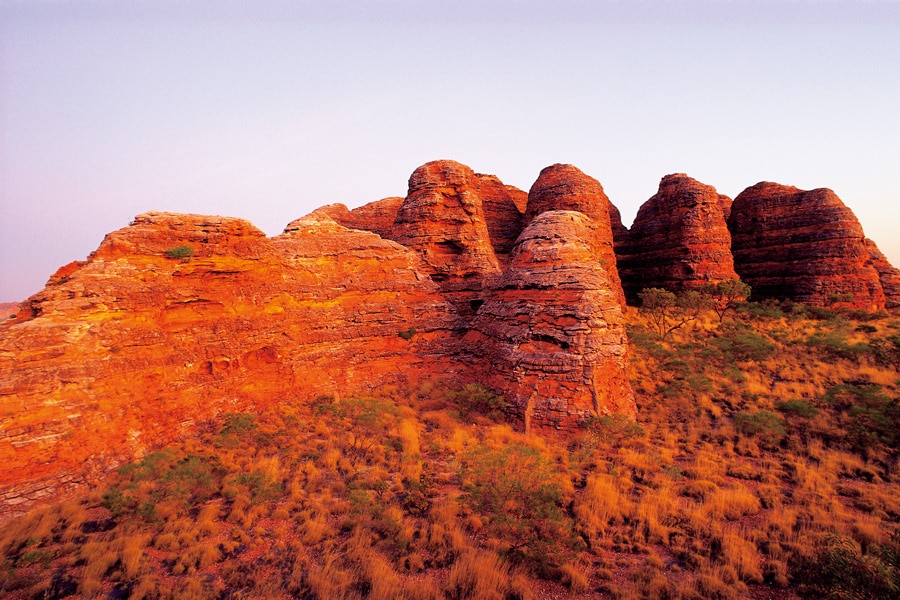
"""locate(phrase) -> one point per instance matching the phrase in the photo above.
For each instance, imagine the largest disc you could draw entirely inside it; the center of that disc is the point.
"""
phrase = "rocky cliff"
(443, 221)
(679, 239)
(179, 319)
(132, 348)
(377, 217)
(806, 246)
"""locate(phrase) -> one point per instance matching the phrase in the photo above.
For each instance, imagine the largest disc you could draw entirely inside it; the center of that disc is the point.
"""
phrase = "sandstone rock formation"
(504, 209)
(131, 349)
(679, 239)
(7, 310)
(619, 231)
(552, 328)
(806, 246)
(443, 220)
(178, 319)
(888, 275)
(565, 187)
(377, 217)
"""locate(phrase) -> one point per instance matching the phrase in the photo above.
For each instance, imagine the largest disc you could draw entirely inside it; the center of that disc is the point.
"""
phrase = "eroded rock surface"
(888, 275)
(552, 328)
(565, 187)
(504, 213)
(377, 217)
(443, 221)
(131, 349)
(679, 239)
(806, 246)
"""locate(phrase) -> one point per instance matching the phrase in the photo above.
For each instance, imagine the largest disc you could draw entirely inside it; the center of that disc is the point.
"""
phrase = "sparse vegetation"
(760, 465)
(725, 296)
(667, 311)
(180, 252)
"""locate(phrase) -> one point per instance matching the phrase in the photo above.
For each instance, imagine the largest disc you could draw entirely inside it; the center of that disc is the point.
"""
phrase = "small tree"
(725, 295)
(667, 311)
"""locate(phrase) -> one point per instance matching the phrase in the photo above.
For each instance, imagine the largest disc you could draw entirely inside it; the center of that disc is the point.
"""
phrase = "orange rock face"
(679, 239)
(8, 312)
(504, 209)
(132, 349)
(377, 217)
(887, 274)
(565, 187)
(552, 328)
(443, 221)
(806, 246)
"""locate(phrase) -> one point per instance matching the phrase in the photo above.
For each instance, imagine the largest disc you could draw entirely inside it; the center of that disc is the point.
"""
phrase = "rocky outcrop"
(8, 311)
(443, 221)
(132, 349)
(552, 328)
(504, 209)
(565, 187)
(806, 246)
(888, 275)
(377, 217)
(619, 231)
(679, 239)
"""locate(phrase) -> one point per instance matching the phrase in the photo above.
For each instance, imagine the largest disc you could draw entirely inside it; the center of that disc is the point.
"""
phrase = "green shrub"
(519, 492)
(872, 417)
(740, 344)
(725, 295)
(764, 425)
(475, 398)
(887, 351)
(798, 408)
(833, 344)
(841, 571)
(613, 430)
(767, 309)
(667, 311)
(643, 339)
(408, 333)
(181, 252)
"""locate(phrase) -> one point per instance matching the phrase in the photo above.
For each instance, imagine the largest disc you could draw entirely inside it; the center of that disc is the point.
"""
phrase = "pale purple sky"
(266, 110)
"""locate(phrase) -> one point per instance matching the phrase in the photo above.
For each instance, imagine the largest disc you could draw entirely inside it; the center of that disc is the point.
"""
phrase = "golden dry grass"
(376, 497)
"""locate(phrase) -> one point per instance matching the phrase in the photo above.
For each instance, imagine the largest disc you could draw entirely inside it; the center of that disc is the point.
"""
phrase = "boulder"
(377, 217)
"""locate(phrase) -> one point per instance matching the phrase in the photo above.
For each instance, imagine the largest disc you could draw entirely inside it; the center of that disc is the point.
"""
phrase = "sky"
(267, 110)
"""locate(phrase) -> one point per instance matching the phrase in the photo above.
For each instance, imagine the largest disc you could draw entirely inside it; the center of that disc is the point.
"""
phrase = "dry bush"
(478, 574)
(574, 577)
(730, 504)
(330, 580)
(598, 506)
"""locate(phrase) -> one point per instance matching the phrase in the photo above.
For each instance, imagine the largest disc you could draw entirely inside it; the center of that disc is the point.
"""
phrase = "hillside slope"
(763, 464)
